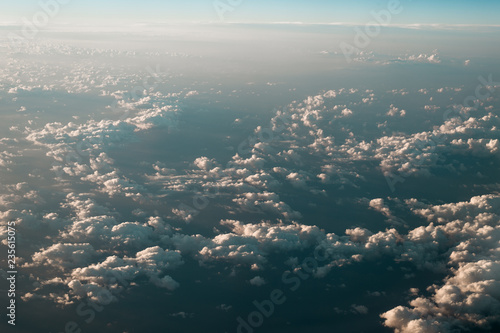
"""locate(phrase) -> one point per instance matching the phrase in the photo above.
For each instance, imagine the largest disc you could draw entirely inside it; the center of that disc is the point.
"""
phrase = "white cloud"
(257, 281)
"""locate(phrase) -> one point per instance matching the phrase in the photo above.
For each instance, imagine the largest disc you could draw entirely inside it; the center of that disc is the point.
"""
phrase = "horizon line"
(290, 23)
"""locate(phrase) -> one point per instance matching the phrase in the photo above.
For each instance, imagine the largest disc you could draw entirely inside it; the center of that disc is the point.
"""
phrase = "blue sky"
(310, 11)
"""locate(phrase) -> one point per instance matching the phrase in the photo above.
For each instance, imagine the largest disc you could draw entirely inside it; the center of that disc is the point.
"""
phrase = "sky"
(481, 12)
(189, 173)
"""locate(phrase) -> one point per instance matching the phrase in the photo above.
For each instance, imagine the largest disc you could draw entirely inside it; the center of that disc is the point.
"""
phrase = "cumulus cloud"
(257, 281)
(469, 296)
(380, 206)
(101, 281)
(65, 255)
(267, 202)
(393, 111)
(96, 244)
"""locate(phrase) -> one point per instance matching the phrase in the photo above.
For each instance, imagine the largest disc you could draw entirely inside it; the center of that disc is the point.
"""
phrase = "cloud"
(101, 282)
(469, 297)
(257, 281)
(92, 250)
(267, 202)
(380, 206)
(359, 309)
(252, 243)
(393, 111)
(65, 256)
(428, 58)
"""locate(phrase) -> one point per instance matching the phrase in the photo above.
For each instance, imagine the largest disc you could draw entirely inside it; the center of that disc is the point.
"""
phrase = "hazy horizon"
(250, 166)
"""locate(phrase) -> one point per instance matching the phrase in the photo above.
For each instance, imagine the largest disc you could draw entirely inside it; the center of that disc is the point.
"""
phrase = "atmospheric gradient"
(236, 166)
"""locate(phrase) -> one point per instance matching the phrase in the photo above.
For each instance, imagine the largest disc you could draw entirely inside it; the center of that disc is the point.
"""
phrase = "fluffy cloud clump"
(469, 296)
(103, 228)
(99, 282)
